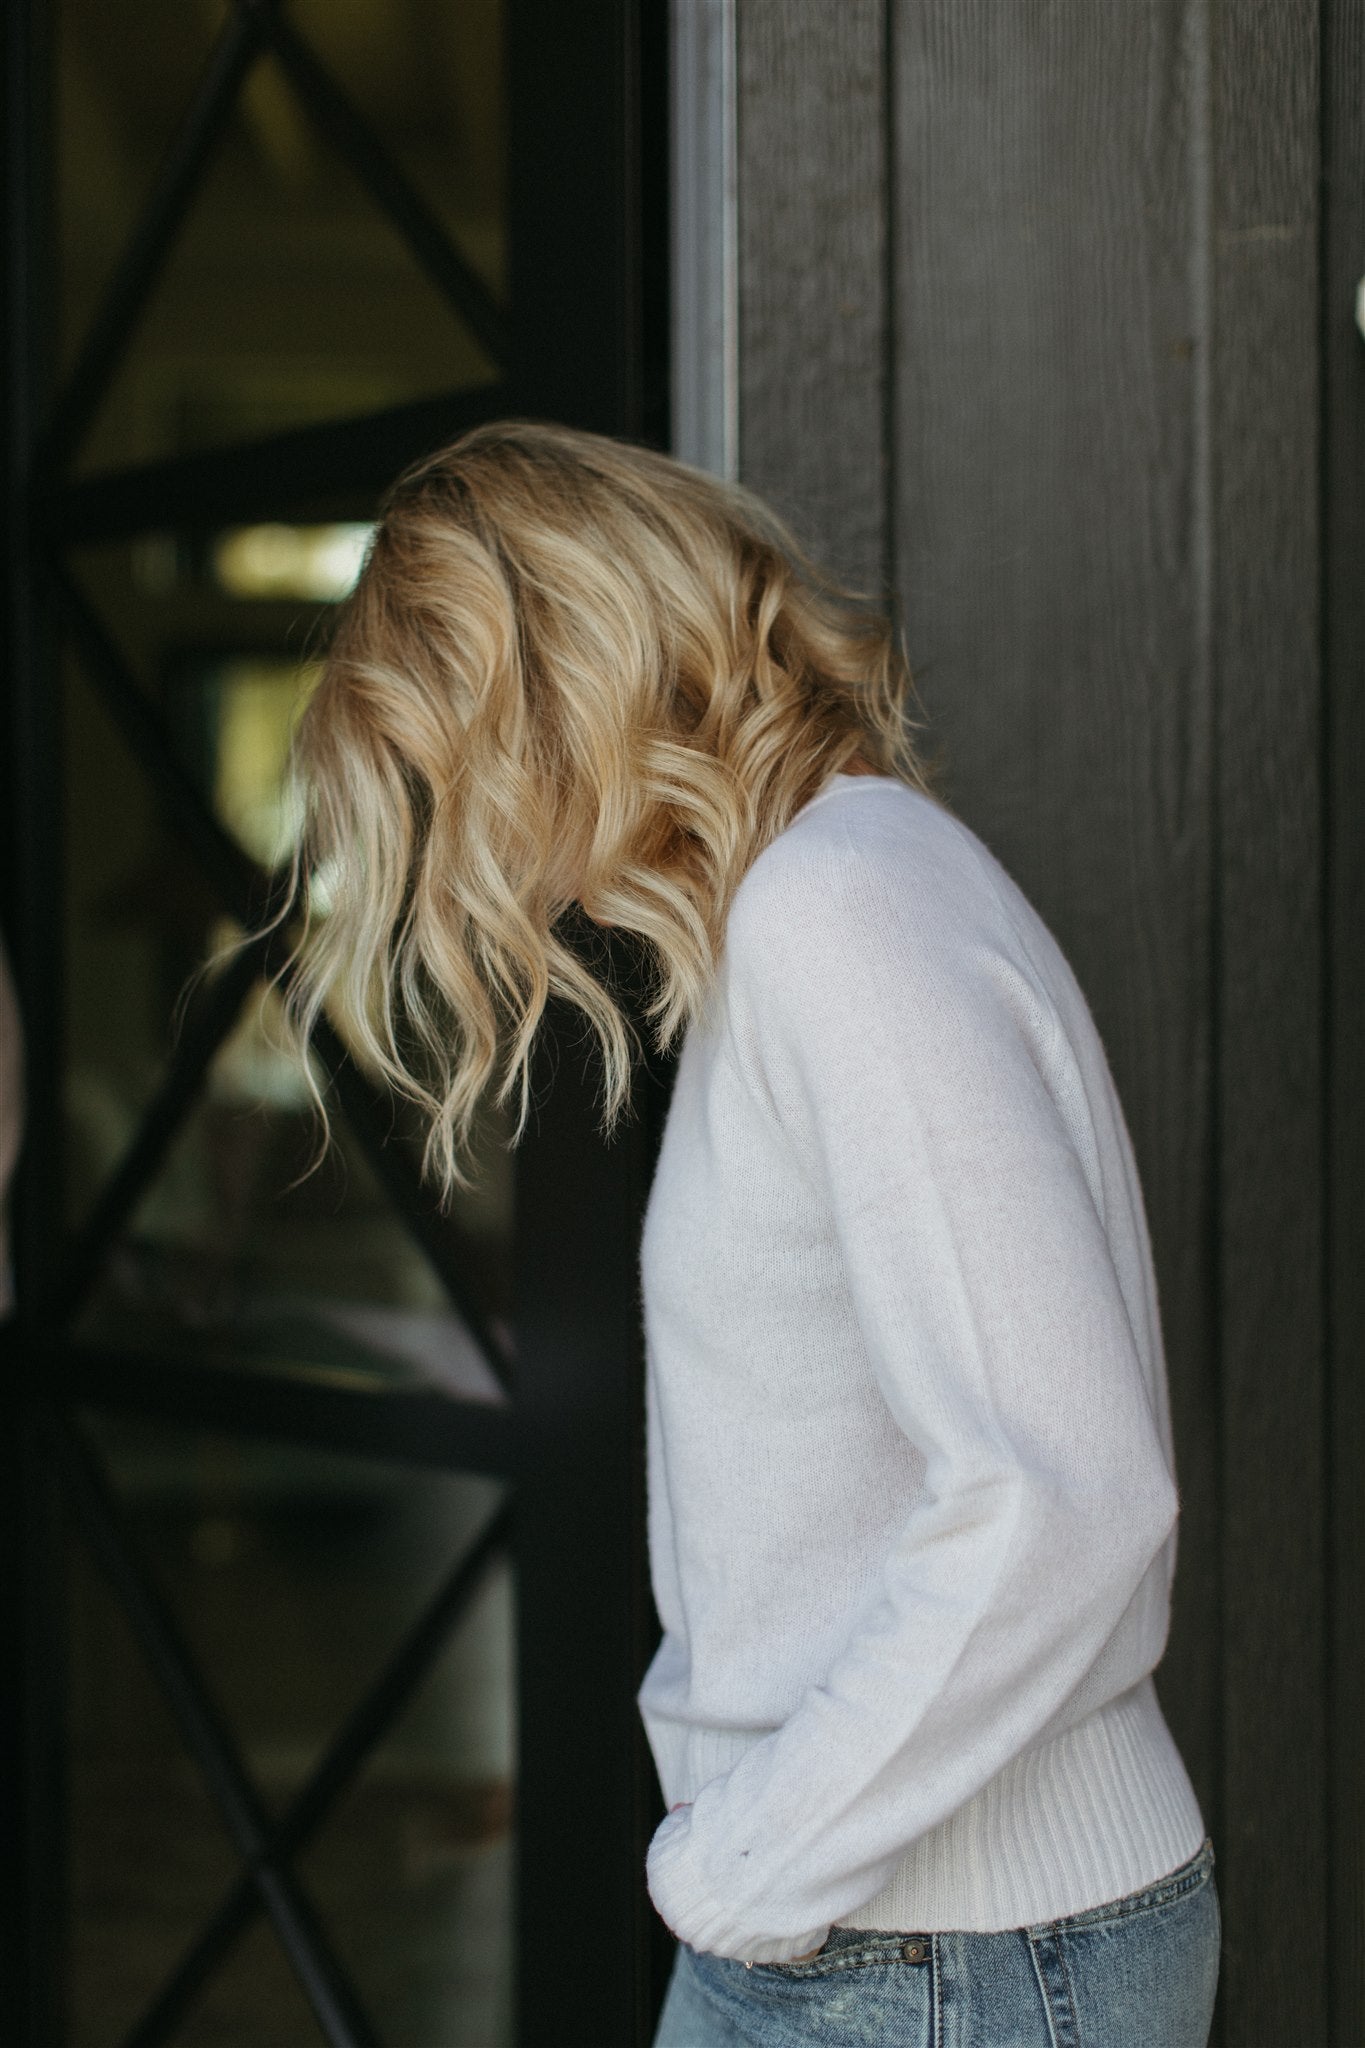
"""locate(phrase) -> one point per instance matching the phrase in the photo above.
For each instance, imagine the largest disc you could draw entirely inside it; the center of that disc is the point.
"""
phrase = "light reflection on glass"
(316, 562)
(257, 703)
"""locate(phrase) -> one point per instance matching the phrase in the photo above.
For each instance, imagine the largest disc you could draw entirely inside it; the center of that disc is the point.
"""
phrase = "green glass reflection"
(288, 297)
(294, 1574)
(240, 1251)
(248, 1250)
(120, 99)
(148, 1855)
(430, 81)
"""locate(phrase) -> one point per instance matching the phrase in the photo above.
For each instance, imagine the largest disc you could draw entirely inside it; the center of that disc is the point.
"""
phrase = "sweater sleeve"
(911, 1055)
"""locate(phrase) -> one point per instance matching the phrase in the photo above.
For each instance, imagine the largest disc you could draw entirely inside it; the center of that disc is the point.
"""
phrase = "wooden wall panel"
(1267, 620)
(812, 245)
(1343, 357)
(1110, 254)
(1051, 516)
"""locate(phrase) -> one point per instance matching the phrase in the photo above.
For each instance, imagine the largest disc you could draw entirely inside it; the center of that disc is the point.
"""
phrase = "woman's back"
(912, 1507)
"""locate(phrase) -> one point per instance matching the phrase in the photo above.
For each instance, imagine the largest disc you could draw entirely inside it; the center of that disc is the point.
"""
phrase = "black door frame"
(583, 341)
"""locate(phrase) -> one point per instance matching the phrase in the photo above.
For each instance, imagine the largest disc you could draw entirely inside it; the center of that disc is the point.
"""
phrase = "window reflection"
(294, 1574)
(318, 562)
(288, 299)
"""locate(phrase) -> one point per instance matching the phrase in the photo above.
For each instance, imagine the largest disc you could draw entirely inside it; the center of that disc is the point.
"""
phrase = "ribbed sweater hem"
(1103, 1809)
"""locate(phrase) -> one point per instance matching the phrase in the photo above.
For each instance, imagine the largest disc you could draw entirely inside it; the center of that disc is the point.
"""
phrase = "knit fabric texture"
(911, 1488)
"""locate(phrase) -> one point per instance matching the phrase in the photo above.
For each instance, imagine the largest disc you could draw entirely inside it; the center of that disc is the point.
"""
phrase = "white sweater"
(912, 1505)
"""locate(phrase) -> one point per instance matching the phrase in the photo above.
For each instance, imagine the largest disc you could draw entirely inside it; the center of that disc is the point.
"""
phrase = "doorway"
(326, 1507)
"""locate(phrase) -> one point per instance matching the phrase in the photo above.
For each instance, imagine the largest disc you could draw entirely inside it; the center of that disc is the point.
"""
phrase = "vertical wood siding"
(1343, 643)
(1052, 521)
(811, 159)
(1040, 309)
(1267, 615)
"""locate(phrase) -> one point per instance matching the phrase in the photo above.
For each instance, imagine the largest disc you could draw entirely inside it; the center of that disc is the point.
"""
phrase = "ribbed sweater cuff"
(685, 1904)
(1099, 1811)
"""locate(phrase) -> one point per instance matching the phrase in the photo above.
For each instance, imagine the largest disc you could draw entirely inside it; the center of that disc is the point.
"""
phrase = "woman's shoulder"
(872, 869)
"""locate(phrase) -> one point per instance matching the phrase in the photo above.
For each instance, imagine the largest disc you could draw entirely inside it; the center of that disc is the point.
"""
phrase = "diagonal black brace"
(358, 1737)
(342, 124)
(208, 1025)
(362, 1414)
(252, 896)
(246, 891)
(334, 2000)
(333, 469)
(152, 239)
(370, 1115)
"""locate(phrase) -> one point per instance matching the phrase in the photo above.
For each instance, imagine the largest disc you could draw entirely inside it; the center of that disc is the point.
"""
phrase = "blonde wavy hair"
(573, 672)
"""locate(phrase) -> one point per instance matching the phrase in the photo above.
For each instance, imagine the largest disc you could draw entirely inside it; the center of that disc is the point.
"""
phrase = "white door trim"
(705, 282)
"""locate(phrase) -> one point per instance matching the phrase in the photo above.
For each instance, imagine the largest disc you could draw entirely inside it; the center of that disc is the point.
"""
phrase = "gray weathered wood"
(1104, 446)
(1265, 396)
(811, 273)
(1052, 565)
(1344, 648)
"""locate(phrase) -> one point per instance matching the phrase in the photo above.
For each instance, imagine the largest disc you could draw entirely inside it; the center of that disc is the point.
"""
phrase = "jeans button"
(915, 1951)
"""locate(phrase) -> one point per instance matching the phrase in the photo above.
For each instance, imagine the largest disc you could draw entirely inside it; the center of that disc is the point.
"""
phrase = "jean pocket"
(855, 1948)
(799, 1964)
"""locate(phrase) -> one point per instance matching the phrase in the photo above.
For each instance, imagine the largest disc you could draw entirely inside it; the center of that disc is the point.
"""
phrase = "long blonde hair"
(572, 671)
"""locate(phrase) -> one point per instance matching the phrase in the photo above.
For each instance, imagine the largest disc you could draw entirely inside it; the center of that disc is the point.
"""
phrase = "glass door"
(330, 1505)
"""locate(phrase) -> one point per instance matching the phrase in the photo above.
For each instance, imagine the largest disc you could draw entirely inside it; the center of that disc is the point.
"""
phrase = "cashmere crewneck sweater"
(911, 1494)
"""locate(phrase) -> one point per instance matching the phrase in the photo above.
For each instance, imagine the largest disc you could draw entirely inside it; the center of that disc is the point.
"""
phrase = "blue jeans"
(1140, 1972)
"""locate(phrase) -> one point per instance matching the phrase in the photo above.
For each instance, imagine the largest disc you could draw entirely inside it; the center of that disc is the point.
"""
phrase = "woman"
(912, 1510)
